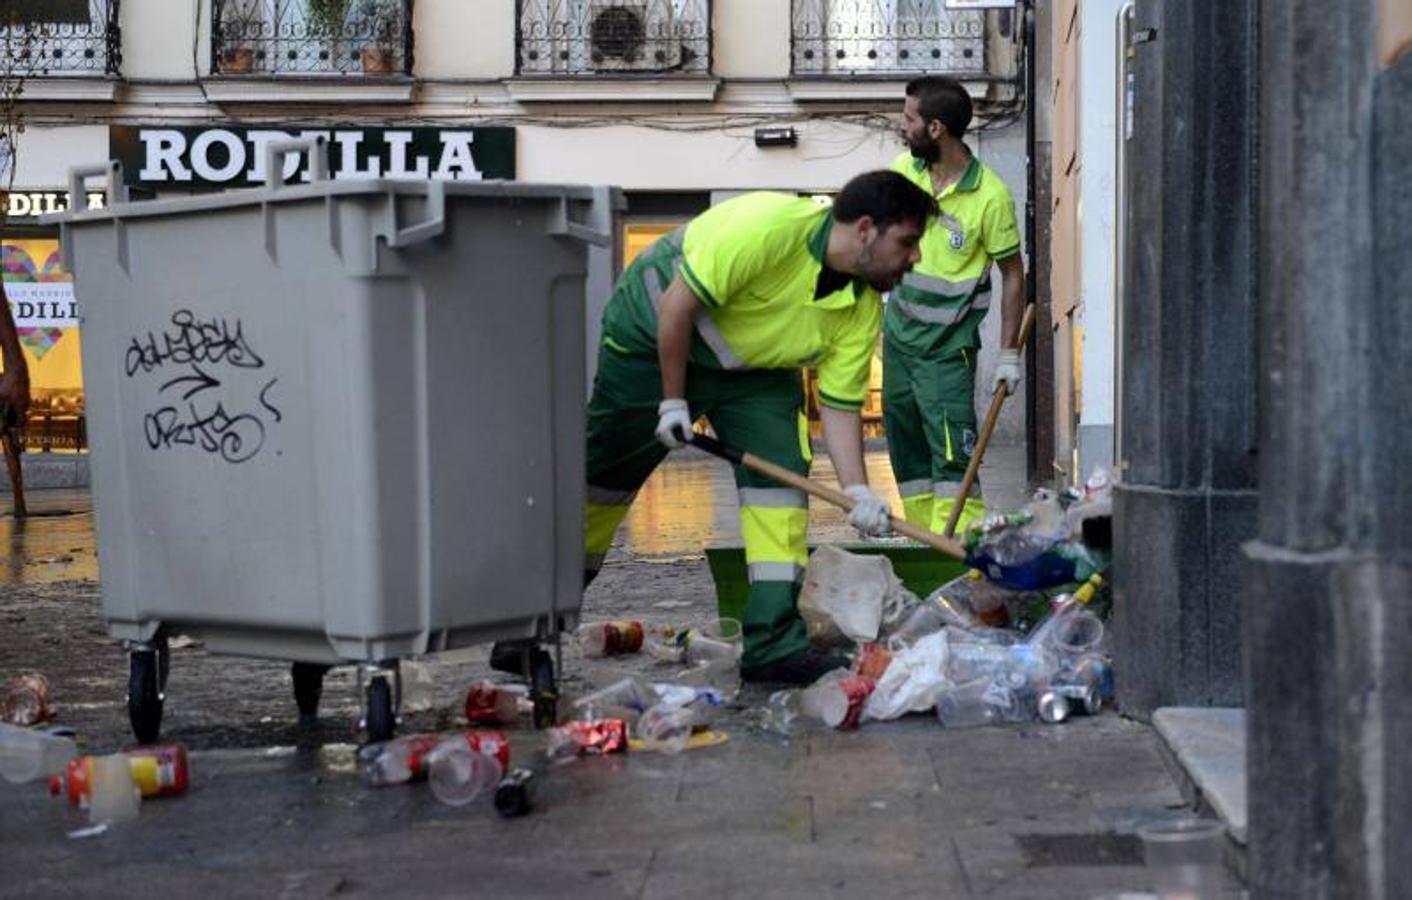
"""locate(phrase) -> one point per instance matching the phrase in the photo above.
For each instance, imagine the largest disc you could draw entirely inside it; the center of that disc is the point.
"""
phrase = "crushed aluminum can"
(1083, 696)
(588, 738)
(1053, 707)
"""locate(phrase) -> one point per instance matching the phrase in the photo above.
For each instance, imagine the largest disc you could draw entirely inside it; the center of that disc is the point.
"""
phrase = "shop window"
(311, 37)
(40, 38)
(898, 38)
(613, 37)
(41, 297)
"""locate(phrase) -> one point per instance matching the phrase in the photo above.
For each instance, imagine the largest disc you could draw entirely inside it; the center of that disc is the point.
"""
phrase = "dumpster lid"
(118, 207)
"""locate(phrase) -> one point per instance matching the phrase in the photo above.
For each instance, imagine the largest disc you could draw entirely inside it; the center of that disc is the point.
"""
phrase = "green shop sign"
(160, 157)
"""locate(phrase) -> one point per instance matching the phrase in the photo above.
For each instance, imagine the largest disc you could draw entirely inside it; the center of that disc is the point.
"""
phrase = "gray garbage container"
(335, 422)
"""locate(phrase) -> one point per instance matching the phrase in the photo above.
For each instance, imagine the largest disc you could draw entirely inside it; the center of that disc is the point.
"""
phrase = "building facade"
(679, 102)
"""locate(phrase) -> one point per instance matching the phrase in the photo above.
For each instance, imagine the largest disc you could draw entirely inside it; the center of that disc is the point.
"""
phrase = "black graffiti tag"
(235, 438)
(193, 411)
(212, 341)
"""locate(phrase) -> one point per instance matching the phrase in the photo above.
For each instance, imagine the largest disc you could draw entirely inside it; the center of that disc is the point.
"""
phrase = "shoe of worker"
(804, 667)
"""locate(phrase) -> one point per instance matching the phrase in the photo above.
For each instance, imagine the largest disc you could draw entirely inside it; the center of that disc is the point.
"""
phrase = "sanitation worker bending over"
(717, 319)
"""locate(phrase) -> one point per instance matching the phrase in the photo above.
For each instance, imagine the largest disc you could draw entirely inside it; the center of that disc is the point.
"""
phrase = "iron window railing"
(311, 37)
(887, 38)
(613, 37)
(63, 38)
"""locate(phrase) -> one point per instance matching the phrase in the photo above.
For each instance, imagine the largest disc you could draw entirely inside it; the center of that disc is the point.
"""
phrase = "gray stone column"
(1328, 611)
(1187, 417)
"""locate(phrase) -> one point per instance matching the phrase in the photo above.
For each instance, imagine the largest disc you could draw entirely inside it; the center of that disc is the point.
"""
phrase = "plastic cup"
(1184, 858)
(457, 774)
(114, 797)
(716, 648)
(1076, 633)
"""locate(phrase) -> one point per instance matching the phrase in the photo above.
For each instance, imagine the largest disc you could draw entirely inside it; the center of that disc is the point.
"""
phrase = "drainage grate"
(1046, 850)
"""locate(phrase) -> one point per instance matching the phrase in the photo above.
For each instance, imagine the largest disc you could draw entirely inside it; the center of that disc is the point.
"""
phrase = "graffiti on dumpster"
(193, 355)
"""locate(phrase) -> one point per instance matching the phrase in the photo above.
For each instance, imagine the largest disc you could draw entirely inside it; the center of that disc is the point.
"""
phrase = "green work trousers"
(930, 415)
(759, 411)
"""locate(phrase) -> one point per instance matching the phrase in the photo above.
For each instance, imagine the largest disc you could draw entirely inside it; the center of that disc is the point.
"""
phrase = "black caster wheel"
(308, 688)
(528, 660)
(544, 689)
(144, 693)
(381, 721)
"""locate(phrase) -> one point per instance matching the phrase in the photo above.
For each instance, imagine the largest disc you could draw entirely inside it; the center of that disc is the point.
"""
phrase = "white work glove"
(1007, 370)
(673, 423)
(869, 514)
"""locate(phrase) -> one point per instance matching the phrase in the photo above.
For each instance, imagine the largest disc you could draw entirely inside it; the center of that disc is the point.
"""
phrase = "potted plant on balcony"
(382, 22)
(240, 29)
(326, 24)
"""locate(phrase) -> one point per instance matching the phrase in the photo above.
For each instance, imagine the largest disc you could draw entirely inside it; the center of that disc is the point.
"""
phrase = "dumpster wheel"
(146, 688)
(381, 720)
(544, 690)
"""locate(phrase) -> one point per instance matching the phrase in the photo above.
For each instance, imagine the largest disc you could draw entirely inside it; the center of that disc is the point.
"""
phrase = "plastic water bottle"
(27, 755)
(599, 639)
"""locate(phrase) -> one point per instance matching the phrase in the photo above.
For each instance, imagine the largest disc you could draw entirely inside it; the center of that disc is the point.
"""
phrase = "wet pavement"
(896, 809)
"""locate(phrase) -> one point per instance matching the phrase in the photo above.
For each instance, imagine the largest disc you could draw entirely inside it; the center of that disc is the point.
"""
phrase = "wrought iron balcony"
(614, 37)
(60, 37)
(896, 38)
(311, 37)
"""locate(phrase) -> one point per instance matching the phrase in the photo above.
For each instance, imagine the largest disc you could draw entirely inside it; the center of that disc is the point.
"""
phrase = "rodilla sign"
(164, 158)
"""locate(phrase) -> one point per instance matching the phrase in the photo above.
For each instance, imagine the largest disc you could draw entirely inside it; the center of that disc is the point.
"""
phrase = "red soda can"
(488, 702)
(588, 738)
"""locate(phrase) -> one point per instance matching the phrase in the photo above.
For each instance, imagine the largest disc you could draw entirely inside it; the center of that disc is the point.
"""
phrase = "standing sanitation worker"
(931, 332)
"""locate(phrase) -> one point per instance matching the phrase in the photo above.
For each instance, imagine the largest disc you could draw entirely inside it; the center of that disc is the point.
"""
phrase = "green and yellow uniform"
(753, 262)
(931, 335)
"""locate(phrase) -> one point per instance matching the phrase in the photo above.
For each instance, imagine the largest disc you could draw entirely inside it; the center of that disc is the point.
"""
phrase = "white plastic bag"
(846, 596)
(912, 682)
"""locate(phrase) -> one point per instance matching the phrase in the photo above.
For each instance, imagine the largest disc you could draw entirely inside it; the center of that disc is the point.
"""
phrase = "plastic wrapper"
(26, 700)
(847, 597)
(913, 680)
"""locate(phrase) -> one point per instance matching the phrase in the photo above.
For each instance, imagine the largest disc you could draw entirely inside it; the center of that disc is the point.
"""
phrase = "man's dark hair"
(942, 99)
(887, 197)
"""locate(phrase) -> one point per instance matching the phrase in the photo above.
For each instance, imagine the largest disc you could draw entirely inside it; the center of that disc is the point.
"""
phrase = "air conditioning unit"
(632, 36)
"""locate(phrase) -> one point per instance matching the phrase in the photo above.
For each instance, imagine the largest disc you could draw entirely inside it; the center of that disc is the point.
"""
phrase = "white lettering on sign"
(457, 163)
(397, 142)
(162, 150)
(42, 304)
(201, 155)
(34, 203)
(220, 155)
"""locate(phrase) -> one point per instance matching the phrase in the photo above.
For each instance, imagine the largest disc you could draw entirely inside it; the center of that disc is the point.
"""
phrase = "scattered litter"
(29, 755)
(458, 773)
(699, 740)
(514, 795)
(848, 596)
(113, 795)
(404, 759)
(162, 771)
(182, 642)
(90, 831)
(599, 639)
(488, 703)
(27, 700)
(991, 646)
(418, 686)
(671, 604)
(625, 698)
(587, 738)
